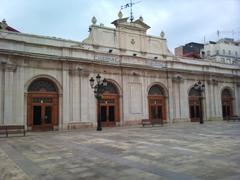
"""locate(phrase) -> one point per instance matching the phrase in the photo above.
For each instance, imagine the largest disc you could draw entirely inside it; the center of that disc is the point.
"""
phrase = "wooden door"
(109, 110)
(227, 108)
(195, 109)
(42, 111)
(157, 108)
(227, 104)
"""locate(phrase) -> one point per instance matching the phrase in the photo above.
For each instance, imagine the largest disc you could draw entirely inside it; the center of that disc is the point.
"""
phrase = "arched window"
(226, 93)
(156, 90)
(110, 89)
(42, 85)
(194, 92)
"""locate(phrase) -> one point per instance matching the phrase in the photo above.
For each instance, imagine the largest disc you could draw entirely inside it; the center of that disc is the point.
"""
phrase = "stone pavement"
(178, 151)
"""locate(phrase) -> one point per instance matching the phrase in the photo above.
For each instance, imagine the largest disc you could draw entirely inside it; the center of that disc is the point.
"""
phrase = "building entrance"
(157, 103)
(109, 105)
(195, 108)
(42, 112)
(227, 111)
(109, 110)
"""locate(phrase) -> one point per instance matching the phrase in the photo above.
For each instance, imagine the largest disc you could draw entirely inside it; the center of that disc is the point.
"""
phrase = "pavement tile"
(178, 151)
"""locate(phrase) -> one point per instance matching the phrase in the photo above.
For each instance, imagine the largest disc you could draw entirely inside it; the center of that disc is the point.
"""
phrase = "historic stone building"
(44, 81)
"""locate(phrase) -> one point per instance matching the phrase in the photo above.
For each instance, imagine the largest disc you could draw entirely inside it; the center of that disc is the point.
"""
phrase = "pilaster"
(237, 97)
(170, 99)
(87, 104)
(178, 94)
(19, 97)
(65, 103)
(75, 95)
(1, 93)
(8, 87)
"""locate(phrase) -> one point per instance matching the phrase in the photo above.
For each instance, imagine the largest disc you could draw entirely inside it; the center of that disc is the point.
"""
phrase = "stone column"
(1, 92)
(145, 98)
(65, 102)
(214, 96)
(210, 100)
(183, 99)
(8, 88)
(206, 107)
(178, 98)
(87, 108)
(60, 114)
(170, 99)
(218, 100)
(19, 97)
(237, 99)
(75, 94)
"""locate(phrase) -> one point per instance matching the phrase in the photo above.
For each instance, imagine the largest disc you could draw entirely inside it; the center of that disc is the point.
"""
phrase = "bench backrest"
(3, 127)
(156, 120)
(13, 127)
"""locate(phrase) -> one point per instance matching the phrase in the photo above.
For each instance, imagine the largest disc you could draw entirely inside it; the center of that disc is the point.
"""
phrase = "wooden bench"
(151, 122)
(232, 118)
(235, 118)
(12, 129)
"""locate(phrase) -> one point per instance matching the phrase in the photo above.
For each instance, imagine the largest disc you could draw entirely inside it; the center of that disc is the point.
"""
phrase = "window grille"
(156, 90)
(42, 85)
(194, 92)
(111, 88)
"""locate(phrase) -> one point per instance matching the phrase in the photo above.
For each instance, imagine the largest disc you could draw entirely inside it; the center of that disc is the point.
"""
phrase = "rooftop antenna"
(130, 5)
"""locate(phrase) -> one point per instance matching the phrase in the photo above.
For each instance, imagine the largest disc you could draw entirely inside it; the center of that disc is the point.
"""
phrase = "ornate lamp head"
(91, 82)
(104, 82)
(196, 86)
(98, 77)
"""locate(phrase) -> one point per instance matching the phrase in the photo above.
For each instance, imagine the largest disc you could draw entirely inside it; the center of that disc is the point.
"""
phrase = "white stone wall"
(77, 103)
(70, 65)
(1, 95)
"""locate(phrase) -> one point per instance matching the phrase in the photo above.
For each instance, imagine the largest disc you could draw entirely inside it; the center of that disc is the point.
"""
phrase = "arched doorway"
(157, 103)
(42, 105)
(109, 105)
(195, 107)
(227, 104)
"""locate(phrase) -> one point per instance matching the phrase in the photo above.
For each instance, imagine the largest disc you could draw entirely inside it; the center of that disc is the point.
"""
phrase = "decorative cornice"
(178, 79)
(8, 67)
(212, 81)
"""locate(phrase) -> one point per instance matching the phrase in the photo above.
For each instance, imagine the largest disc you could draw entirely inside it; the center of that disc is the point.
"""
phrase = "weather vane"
(130, 5)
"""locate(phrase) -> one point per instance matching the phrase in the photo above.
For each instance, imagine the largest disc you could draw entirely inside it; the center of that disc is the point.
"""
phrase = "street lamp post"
(200, 87)
(98, 94)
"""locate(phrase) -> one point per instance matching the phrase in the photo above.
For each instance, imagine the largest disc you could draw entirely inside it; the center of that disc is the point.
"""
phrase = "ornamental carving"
(132, 41)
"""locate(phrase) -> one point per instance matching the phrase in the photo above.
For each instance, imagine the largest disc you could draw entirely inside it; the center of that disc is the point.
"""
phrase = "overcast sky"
(182, 21)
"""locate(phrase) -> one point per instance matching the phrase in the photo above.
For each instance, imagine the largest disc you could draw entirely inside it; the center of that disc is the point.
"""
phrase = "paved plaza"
(178, 151)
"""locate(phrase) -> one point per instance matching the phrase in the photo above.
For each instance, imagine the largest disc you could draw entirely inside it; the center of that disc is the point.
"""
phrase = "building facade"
(191, 50)
(44, 81)
(226, 51)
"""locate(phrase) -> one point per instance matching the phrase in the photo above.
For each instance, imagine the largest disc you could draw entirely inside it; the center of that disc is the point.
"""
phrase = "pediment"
(135, 25)
(141, 23)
